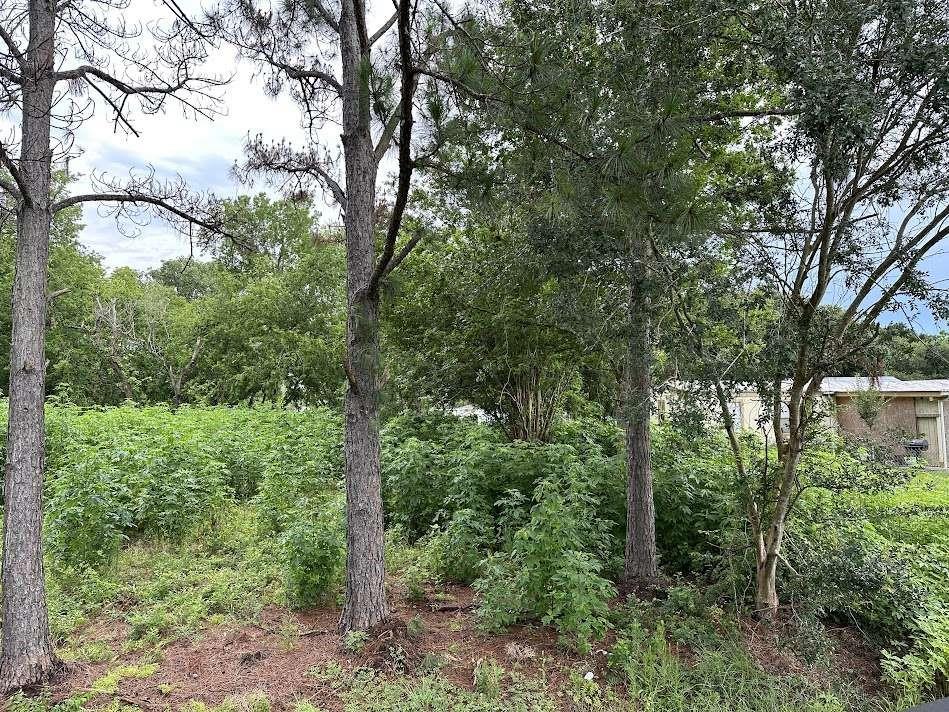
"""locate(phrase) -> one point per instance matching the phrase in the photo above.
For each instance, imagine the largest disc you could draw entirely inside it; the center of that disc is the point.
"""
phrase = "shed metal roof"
(885, 384)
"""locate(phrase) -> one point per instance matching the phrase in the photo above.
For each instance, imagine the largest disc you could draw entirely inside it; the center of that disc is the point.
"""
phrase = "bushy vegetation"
(264, 482)
(538, 529)
(201, 514)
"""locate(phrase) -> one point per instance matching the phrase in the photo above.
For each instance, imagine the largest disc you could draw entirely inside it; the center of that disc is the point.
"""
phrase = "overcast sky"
(203, 152)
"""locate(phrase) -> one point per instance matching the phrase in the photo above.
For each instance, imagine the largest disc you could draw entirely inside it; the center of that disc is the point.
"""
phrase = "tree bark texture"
(365, 604)
(28, 657)
(800, 396)
(530, 405)
(641, 566)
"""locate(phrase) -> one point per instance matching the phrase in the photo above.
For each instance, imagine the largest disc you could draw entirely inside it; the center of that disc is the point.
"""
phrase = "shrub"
(118, 473)
(896, 591)
(312, 554)
(693, 477)
(553, 568)
(87, 514)
(302, 463)
(456, 554)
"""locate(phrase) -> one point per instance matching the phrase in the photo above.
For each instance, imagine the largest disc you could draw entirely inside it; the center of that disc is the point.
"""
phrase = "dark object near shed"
(916, 446)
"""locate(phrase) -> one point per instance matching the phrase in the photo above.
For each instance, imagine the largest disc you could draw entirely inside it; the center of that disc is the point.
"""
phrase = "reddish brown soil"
(234, 662)
(856, 658)
(274, 655)
(853, 657)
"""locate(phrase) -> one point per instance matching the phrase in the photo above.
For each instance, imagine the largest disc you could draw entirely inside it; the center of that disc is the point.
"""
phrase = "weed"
(415, 628)
(432, 663)
(93, 651)
(331, 672)
(488, 676)
(305, 706)
(355, 640)
(109, 683)
(288, 632)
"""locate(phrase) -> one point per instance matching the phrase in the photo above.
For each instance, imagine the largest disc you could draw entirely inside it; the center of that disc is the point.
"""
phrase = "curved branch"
(139, 198)
(19, 192)
(406, 165)
(11, 45)
(325, 14)
(377, 35)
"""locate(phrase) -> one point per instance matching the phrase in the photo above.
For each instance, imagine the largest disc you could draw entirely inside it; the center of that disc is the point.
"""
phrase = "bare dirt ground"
(277, 655)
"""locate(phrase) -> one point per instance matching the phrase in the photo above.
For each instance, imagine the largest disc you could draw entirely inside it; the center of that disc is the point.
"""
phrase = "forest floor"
(432, 657)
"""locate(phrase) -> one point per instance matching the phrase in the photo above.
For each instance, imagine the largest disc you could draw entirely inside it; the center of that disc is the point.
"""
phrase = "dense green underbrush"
(855, 563)
(163, 590)
(539, 530)
(254, 499)
(127, 473)
(127, 476)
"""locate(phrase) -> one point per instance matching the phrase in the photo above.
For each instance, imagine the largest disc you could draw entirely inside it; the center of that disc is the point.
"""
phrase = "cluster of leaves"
(539, 528)
(881, 561)
(128, 474)
(261, 321)
(553, 568)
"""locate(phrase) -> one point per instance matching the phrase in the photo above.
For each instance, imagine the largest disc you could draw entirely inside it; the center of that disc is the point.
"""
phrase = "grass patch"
(108, 684)
(165, 590)
(915, 514)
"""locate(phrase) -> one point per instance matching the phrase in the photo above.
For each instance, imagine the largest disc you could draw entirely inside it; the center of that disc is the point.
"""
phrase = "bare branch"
(377, 35)
(388, 133)
(405, 149)
(170, 200)
(12, 46)
(10, 75)
(326, 15)
(280, 159)
(404, 252)
(297, 73)
(21, 192)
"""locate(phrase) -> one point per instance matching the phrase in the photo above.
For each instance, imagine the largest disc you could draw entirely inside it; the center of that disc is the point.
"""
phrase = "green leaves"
(127, 472)
(312, 552)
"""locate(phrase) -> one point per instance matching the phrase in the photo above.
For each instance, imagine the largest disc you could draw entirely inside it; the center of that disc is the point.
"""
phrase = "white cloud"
(200, 150)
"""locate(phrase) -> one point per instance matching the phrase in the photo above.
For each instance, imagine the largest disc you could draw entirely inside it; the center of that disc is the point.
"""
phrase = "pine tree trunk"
(28, 657)
(641, 565)
(365, 604)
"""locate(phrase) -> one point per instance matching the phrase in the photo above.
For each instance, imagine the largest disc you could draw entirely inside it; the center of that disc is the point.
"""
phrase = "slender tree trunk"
(766, 569)
(803, 390)
(124, 383)
(530, 405)
(766, 586)
(28, 657)
(178, 381)
(365, 604)
(640, 561)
